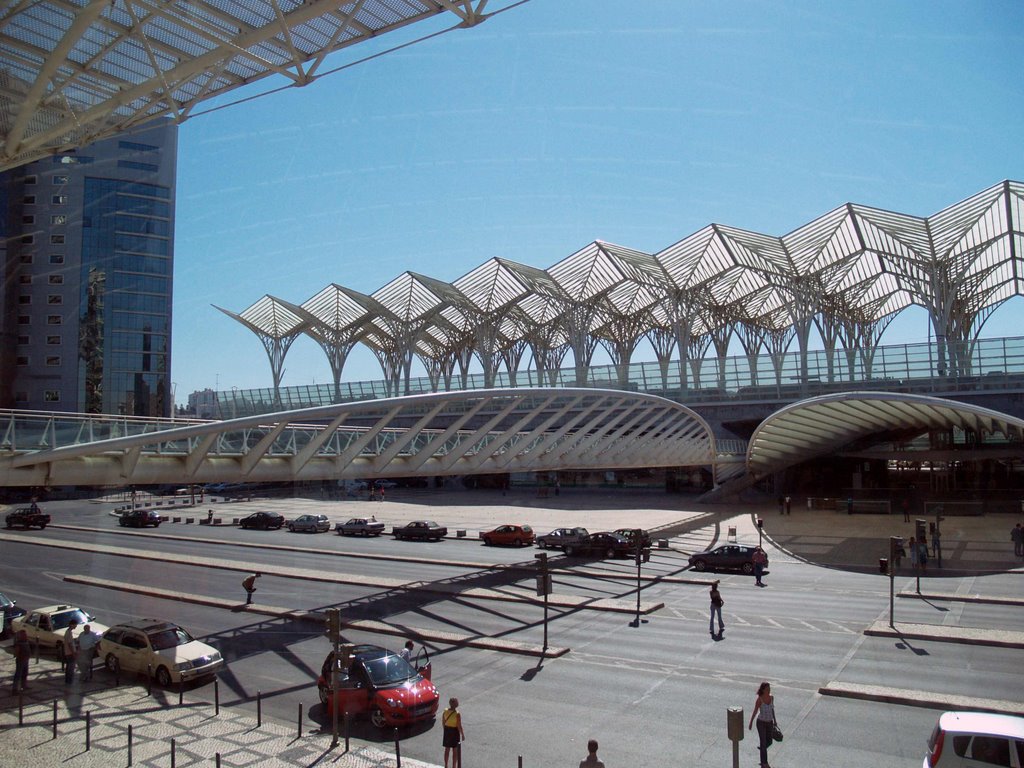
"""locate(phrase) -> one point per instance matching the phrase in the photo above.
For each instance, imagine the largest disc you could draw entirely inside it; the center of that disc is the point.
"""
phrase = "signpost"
(544, 588)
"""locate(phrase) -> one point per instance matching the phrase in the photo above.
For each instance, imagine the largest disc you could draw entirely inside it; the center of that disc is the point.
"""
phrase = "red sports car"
(376, 682)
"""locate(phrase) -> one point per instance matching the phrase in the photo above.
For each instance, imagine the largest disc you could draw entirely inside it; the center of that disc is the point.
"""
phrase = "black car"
(140, 518)
(264, 521)
(629, 533)
(27, 517)
(603, 544)
(727, 556)
(8, 611)
(422, 530)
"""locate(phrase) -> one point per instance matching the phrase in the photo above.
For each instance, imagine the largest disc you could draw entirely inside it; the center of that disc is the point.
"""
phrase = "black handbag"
(776, 732)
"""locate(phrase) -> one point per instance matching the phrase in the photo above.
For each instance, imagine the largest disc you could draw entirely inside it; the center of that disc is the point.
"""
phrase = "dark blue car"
(10, 611)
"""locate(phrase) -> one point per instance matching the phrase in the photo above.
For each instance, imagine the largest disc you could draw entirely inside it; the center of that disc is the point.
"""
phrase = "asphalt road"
(655, 694)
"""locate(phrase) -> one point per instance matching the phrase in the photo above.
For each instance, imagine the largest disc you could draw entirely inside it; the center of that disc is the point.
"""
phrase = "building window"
(53, 360)
(25, 279)
(56, 279)
(30, 179)
(59, 218)
(59, 199)
(53, 320)
(60, 178)
(29, 199)
(53, 340)
(28, 219)
(51, 396)
(54, 298)
(24, 320)
(28, 239)
(56, 258)
(24, 299)
(137, 166)
(22, 360)
(136, 145)
(21, 397)
(56, 239)
(26, 258)
(24, 339)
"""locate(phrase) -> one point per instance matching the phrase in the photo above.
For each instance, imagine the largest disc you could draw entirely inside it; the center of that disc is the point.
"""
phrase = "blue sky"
(565, 121)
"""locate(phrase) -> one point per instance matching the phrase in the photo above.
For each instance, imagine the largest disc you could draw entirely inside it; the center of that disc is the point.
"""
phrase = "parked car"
(351, 486)
(603, 544)
(140, 518)
(385, 484)
(377, 682)
(425, 530)
(27, 517)
(360, 526)
(727, 556)
(310, 523)
(629, 533)
(515, 535)
(265, 521)
(8, 613)
(152, 644)
(968, 739)
(47, 625)
(560, 538)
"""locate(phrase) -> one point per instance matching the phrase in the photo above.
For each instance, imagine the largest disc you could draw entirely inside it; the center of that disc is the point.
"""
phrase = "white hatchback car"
(976, 740)
(160, 648)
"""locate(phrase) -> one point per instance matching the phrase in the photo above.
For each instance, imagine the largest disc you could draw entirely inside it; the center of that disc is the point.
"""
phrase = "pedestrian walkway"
(100, 725)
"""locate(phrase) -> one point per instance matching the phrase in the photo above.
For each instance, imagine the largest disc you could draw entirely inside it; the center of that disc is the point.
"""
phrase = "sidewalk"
(155, 720)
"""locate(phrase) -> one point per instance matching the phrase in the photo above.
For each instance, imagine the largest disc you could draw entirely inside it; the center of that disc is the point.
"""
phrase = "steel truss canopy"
(853, 421)
(74, 71)
(489, 431)
(845, 274)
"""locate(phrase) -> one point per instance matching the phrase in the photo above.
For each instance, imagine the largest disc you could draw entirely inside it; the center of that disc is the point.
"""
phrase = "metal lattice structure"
(74, 71)
(846, 274)
(444, 434)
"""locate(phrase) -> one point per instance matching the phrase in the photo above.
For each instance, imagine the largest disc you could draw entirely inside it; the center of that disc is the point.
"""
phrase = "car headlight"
(182, 666)
(395, 703)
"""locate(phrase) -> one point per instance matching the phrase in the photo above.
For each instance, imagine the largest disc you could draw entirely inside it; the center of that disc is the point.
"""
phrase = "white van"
(976, 740)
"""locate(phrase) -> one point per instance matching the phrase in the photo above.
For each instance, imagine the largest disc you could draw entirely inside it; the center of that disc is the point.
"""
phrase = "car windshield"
(169, 638)
(61, 620)
(5, 602)
(389, 671)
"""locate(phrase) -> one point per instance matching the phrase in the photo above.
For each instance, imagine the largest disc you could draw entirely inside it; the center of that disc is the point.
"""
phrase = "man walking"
(716, 608)
(1017, 536)
(760, 560)
(249, 584)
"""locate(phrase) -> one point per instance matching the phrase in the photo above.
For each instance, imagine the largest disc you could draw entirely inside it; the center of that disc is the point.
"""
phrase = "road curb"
(996, 638)
(913, 698)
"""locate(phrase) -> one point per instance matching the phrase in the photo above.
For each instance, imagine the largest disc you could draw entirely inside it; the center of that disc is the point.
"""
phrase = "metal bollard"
(218, 759)
(88, 730)
(55, 718)
(300, 719)
(149, 679)
(259, 708)
(21, 708)
(216, 696)
(172, 753)
(398, 750)
(348, 719)
(129, 745)
(520, 761)
(181, 691)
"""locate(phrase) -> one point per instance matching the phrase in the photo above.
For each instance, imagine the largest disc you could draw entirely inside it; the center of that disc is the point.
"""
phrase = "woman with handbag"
(764, 713)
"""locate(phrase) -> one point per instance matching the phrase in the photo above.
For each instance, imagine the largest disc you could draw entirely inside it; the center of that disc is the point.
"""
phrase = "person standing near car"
(716, 608)
(87, 642)
(70, 651)
(22, 655)
(764, 713)
(760, 560)
(451, 720)
(406, 652)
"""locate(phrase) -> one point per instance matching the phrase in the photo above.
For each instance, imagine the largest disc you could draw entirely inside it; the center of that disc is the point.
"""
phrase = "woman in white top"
(764, 712)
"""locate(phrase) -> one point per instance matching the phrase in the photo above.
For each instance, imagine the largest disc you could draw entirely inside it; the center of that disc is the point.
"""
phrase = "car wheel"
(570, 551)
(700, 565)
(487, 542)
(609, 553)
(156, 525)
(111, 663)
(377, 718)
(748, 568)
(42, 526)
(519, 542)
(163, 677)
(291, 528)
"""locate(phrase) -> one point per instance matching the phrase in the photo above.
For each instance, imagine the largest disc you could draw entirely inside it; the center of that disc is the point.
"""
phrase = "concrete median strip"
(955, 598)
(376, 627)
(940, 633)
(915, 698)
